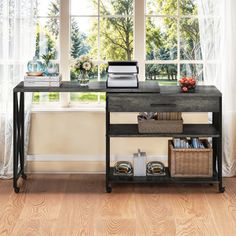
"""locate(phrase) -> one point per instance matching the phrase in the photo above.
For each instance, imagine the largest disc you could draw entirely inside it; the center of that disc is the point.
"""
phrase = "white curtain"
(17, 42)
(217, 24)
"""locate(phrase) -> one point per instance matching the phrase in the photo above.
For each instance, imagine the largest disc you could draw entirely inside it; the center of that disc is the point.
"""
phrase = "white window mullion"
(139, 36)
(99, 46)
(65, 47)
(178, 39)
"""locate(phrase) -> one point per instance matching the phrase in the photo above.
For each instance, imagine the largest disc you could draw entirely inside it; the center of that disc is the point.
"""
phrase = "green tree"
(78, 46)
(163, 45)
(50, 42)
(116, 34)
(52, 22)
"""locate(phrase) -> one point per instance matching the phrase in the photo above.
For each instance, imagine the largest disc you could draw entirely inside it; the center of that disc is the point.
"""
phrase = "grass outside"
(87, 97)
(52, 97)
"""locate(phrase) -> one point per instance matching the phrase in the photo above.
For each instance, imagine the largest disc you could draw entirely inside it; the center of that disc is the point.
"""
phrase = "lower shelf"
(161, 179)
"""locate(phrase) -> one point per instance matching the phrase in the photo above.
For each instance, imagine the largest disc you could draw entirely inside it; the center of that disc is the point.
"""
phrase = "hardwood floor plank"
(119, 204)
(112, 226)
(11, 208)
(220, 207)
(154, 215)
(191, 210)
(41, 194)
(79, 206)
(71, 205)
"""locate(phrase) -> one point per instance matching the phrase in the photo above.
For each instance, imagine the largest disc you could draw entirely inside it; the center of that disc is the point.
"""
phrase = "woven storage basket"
(190, 162)
(160, 126)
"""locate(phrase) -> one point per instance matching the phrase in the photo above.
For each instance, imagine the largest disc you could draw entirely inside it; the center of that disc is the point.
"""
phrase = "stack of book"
(169, 115)
(42, 81)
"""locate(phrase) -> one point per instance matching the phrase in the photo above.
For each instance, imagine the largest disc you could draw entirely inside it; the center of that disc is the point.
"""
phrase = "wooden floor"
(77, 205)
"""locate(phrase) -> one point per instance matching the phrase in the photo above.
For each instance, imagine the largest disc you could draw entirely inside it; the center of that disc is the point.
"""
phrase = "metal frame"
(18, 135)
(18, 138)
(217, 160)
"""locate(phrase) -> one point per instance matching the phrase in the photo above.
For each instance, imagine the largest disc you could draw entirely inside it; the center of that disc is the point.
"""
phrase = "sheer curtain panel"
(17, 45)
(218, 43)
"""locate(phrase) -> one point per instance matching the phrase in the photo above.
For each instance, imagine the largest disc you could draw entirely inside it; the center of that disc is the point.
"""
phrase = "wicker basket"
(160, 126)
(190, 162)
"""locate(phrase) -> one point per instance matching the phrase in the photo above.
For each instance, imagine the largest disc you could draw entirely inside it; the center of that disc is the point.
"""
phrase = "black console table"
(148, 97)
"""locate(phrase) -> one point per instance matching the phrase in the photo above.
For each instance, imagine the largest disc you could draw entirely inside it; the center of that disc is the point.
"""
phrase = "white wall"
(76, 141)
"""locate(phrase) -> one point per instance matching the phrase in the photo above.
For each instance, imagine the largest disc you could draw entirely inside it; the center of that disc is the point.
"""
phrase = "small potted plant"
(83, 65)
(187, 84)
(50, 67)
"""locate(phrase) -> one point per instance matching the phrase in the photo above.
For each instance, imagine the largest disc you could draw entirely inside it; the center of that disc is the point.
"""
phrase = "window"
(172, 41)
(47, 39)
(105, 29)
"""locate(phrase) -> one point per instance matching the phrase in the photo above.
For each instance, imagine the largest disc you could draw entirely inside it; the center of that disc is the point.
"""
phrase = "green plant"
(47, 57)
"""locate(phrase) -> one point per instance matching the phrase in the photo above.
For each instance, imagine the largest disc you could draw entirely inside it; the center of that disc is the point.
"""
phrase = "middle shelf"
(189, 130)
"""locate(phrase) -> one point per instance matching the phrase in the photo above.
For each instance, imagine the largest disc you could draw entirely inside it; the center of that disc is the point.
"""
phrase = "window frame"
(178, 61)
(139, 54)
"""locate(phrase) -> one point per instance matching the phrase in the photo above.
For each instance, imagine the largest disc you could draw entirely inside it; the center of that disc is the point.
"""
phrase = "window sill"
(70, 108)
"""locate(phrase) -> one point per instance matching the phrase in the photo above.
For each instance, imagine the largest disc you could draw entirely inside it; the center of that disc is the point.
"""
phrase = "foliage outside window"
(104, 29)
(47, 40)
(172, 41)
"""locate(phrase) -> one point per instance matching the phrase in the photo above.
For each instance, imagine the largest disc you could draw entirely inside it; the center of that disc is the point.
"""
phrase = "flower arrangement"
(187, 84)
(83, 64)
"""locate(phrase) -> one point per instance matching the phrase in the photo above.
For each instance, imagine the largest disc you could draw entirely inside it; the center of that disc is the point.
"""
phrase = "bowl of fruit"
(187, 84)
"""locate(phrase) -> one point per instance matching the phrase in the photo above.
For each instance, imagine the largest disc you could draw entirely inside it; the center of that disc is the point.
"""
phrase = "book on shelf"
(195, 143)
(42, 84)
(169, 115)
(54, 78)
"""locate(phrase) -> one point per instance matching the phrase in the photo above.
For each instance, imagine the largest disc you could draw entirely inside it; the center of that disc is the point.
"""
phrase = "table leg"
(15, 141)
(18, 139)
(21, 135)
(108, 185)
(219, 153)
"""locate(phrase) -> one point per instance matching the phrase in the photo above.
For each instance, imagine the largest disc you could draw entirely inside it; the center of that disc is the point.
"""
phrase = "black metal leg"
(15, 142)
(18, 139)
(214, 145)
(216, 124)
(108, 185)
(219, 159)
(21, 134)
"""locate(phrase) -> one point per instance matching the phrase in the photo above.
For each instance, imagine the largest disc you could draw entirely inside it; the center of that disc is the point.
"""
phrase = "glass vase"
(83, 78)
(35, 67)
(51, 69)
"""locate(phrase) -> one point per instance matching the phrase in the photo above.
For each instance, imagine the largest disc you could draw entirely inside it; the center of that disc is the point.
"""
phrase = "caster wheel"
(17, 190)
(24, 176)
(109, 189)
(222, 189)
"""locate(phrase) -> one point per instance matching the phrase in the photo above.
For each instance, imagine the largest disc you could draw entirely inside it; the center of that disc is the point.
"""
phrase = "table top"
(100, 86)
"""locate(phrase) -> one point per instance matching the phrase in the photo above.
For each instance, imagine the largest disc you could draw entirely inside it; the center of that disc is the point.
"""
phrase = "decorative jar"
(51, 68)
(35, 67)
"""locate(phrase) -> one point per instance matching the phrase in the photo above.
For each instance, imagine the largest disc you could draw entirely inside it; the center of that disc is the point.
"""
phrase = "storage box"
(190, 162)
(160, 126)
